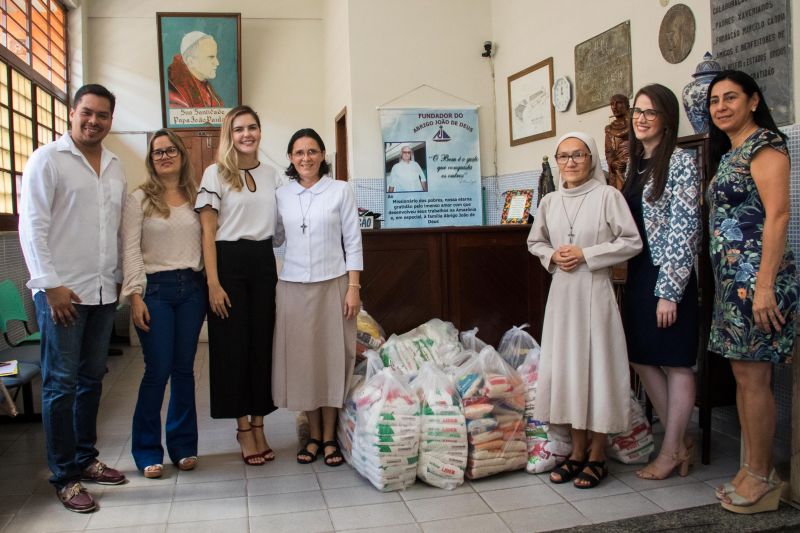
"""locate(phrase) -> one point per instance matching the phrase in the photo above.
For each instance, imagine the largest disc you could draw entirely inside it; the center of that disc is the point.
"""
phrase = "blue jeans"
(73, 366)
(176, 301)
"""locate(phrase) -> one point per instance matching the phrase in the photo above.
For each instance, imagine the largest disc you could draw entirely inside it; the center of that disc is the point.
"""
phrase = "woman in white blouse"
(317, 295)
(236, 202)
(163, 279)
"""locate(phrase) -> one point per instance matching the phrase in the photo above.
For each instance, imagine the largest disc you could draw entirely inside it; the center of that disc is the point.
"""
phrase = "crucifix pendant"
(303, 227)
(570, 235)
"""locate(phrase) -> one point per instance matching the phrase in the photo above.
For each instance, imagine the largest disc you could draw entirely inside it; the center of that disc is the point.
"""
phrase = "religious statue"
(617, 143)
(546, 184)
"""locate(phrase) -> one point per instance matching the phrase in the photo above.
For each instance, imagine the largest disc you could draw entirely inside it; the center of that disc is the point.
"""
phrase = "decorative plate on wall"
(676, 36)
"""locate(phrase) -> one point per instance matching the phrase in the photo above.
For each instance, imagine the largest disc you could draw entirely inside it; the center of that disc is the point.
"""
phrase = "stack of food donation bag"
(346, 424)
(635, 445)
(515, 345)
(369, 334)
(443, 429)
(548, 445)
(435, 341)
(493, 398)
(386, 436)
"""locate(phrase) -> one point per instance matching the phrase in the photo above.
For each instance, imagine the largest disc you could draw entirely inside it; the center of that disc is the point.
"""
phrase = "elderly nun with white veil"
(580, 231)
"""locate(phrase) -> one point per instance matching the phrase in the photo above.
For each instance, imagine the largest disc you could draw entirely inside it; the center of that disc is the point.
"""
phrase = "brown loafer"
(75, 498)
(102, 474)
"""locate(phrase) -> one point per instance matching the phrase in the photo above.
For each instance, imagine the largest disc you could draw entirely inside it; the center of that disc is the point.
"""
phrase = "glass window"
(30, 116)
(34, 31)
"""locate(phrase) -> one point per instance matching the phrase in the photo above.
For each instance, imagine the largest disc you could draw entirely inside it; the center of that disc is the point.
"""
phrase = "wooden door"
(202, 147)
(342, 172)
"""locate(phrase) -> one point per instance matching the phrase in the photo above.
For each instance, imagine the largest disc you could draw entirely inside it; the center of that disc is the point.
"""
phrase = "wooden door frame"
(340, 122)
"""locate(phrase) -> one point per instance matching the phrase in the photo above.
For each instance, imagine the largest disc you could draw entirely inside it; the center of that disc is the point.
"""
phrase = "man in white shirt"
(406, 175)
(70, 210)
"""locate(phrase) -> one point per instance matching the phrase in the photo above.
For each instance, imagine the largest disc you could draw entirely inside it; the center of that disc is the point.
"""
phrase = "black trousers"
(240, 346)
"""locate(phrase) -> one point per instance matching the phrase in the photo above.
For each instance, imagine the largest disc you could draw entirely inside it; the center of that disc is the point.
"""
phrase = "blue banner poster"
(432, 168)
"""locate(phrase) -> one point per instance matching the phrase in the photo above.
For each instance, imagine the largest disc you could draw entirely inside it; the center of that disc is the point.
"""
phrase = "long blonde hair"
(227, 156)
(153, 187)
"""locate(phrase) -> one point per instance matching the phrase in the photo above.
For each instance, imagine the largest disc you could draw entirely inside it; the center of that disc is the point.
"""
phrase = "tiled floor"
(223, 494)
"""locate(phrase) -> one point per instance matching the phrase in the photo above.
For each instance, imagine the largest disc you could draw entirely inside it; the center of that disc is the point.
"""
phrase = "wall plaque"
(603, 68)
(755, 37)
(676, 35)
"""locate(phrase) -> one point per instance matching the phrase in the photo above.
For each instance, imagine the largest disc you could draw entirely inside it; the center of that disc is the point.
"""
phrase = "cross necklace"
(304, 212)
(571, 223)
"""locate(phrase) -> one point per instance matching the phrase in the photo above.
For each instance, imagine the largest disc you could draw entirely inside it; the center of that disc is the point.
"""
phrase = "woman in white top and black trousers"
(236, 202)
(317, 295)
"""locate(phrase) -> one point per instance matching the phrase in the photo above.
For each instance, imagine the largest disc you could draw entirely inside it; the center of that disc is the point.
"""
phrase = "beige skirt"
(314, 348)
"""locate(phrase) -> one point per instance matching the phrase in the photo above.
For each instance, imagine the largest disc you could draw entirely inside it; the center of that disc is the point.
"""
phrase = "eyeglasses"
(170, 152)
(649, 114)
(577, 158)
(300, 154)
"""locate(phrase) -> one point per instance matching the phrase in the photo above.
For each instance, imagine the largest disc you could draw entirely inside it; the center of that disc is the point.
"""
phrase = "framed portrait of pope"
(199, 59)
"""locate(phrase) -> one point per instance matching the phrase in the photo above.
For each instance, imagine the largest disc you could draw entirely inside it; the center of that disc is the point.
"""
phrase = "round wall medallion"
(676, 36)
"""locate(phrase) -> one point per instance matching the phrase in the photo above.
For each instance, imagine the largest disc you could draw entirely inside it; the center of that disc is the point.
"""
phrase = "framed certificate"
(517, 206)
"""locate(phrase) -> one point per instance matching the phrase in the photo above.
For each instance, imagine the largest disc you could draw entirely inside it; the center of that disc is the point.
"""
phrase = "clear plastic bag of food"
(443, 429)
(386, 437)
(346, 424)
(493, 400)
(636, 445)
(369, 334)
(515, 345)
(435, 341)
(471, 341)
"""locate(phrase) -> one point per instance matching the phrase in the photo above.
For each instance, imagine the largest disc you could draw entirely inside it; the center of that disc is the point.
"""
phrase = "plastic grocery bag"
(515, 345)
(471, 341)
(636, 445)
(435, 341)
(493, 398)
(443, 429)
(548, 445)
(386, 437)
(346, 424)
(369, 334)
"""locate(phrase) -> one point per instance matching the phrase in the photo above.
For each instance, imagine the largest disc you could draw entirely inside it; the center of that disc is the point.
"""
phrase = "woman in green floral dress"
(756, 285)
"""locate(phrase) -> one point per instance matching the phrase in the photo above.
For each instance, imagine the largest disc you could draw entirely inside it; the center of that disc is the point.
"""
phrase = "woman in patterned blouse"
(660, 308)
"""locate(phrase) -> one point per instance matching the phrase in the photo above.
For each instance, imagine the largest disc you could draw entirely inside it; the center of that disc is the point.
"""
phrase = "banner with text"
(432, 168)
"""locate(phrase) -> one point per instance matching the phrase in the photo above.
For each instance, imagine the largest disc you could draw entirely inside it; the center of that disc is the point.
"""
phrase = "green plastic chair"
(11, 309)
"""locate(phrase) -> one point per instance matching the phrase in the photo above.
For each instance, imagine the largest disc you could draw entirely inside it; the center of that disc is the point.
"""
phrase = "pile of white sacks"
(434, 408)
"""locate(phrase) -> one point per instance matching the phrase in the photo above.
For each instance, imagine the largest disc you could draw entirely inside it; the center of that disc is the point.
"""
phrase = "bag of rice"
(443, 429)
(386, 436)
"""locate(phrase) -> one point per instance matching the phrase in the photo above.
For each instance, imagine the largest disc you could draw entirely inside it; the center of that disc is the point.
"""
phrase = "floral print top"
(736, 226)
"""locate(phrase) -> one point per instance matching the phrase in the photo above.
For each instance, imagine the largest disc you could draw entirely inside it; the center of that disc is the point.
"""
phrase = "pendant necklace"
(304, 212)
(571, 223)
(646, 166)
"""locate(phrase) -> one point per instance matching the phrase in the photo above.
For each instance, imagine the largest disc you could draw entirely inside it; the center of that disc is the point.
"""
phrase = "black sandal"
(566, 471)
(306, 456)
(337, 453)
(598, 470)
